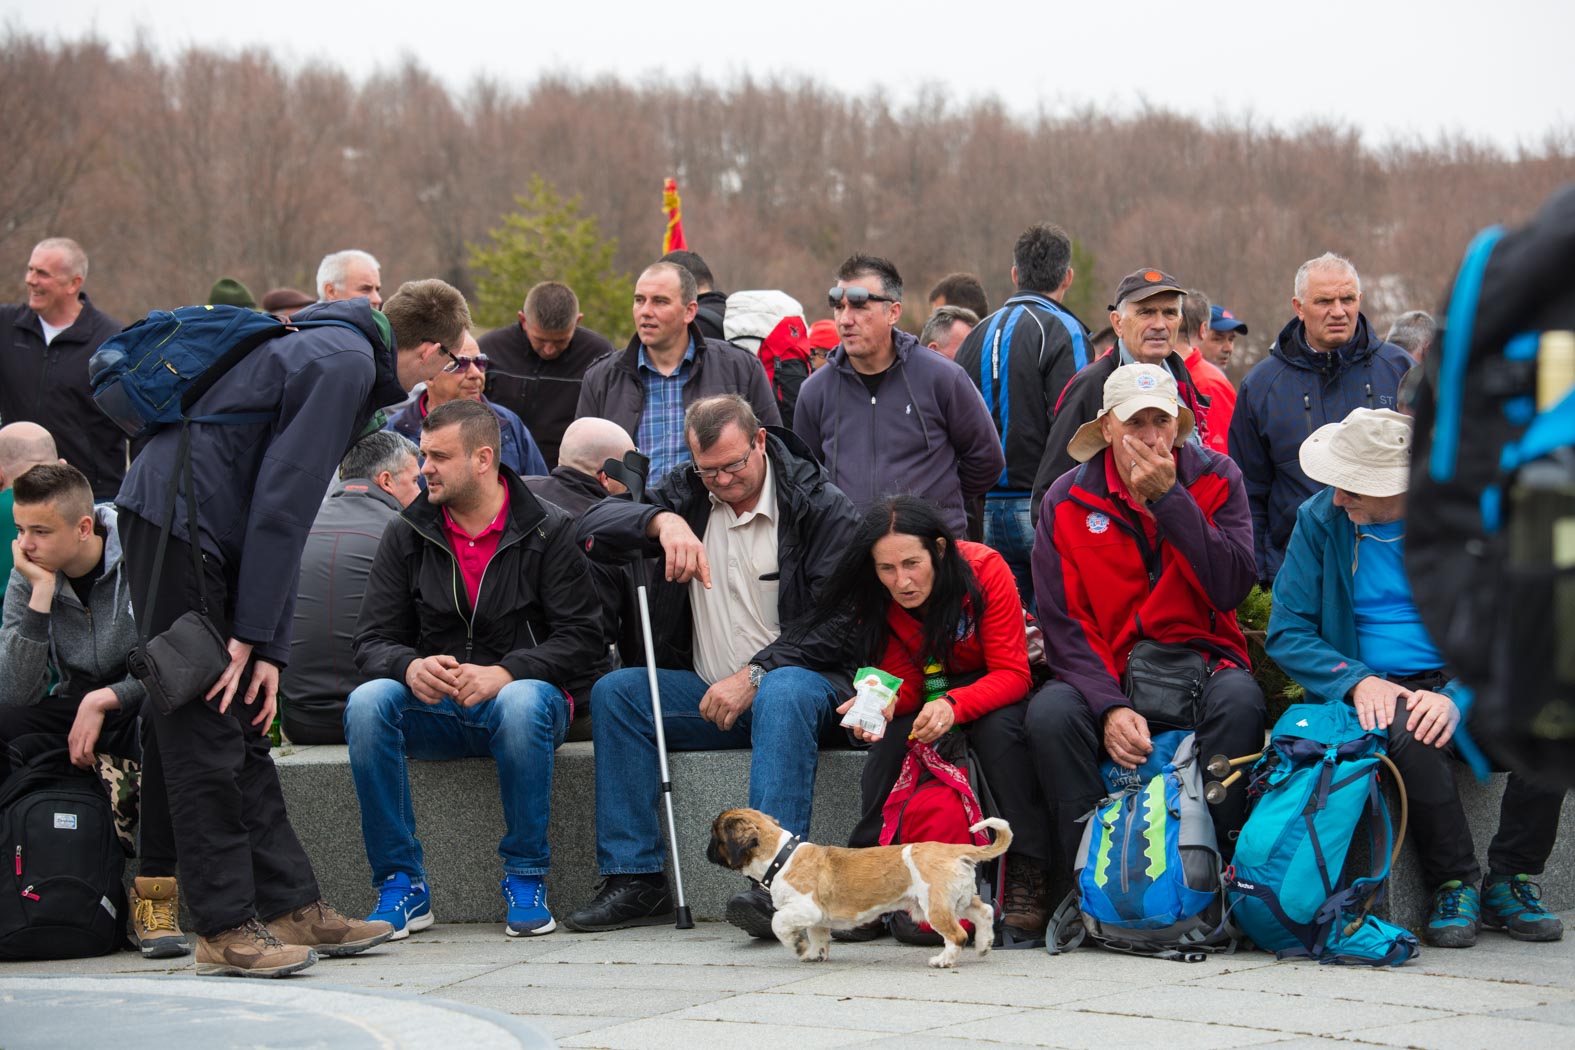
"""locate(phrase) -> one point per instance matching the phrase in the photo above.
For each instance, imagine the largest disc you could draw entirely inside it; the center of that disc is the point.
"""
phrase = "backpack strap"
(182, 471)
(1456, 351)
(1066, 930)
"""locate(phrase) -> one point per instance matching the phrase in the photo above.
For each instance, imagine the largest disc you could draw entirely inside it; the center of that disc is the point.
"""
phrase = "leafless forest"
(174, 172)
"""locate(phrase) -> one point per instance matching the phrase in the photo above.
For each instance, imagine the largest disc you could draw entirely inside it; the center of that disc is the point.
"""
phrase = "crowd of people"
(414, 547)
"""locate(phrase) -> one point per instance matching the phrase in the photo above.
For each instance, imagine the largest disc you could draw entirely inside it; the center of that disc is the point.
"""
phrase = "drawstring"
(1356, 549)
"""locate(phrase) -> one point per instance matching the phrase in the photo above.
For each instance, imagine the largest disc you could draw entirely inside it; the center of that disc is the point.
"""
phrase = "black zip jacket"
(816, 523)
(536, 612)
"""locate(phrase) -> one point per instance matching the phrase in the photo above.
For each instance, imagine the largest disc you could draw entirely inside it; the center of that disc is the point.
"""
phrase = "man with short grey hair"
(1413, 332)
(1325, 362)
(350, 274)
(946, 328)
(45, 346)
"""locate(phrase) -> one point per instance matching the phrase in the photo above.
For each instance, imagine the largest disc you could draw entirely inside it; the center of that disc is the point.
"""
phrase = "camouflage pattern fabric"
(122, 780)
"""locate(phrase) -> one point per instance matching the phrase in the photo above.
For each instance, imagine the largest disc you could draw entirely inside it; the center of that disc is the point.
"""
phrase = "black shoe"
(751, 912)
(622, 901)
(869, 931)
(909, 932)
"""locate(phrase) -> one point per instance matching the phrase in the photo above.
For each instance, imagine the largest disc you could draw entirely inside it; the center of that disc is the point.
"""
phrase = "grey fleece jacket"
(86, 647)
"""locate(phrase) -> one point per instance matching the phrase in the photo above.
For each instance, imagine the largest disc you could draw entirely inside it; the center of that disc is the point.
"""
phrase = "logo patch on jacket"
(1097, 522)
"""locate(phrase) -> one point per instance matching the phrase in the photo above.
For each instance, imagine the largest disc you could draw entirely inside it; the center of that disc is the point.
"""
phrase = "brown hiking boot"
(155, 918)
(1025, 905)
(318, 926)
(250, 950)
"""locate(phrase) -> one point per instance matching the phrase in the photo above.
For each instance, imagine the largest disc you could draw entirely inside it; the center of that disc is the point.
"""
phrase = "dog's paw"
(943, 961)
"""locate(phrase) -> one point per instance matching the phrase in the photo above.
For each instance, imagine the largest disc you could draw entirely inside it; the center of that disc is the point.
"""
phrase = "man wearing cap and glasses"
(1346, 627)
(464, 377)
(888, 416)
(1148, 540)
(1146, 319)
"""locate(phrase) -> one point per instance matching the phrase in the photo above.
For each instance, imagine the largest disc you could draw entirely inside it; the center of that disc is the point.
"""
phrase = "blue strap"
(1456, 352)
(1465, 747)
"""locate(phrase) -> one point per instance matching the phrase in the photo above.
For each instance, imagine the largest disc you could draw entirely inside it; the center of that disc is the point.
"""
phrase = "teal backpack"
(1287, 884)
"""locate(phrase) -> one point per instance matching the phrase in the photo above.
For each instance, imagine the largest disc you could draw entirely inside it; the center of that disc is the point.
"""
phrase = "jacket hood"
(372, 324)
(796, 468)
(1291, 347)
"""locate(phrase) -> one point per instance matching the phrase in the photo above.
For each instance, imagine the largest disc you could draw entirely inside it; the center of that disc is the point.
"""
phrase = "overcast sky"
(1497, 70)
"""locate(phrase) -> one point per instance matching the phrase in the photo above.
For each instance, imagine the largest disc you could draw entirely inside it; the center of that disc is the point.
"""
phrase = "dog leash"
(780, 859)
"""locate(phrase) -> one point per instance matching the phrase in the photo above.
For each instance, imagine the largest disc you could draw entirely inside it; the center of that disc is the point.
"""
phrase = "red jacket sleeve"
(1002, 636)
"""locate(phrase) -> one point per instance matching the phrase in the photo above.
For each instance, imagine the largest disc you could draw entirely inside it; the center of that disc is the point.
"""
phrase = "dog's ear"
(741, 843)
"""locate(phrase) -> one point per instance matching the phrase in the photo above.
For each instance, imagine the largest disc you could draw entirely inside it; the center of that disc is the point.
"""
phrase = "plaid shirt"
(661, 432)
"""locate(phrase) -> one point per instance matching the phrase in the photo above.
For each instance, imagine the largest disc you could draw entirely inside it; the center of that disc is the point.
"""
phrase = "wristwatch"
(756, 673)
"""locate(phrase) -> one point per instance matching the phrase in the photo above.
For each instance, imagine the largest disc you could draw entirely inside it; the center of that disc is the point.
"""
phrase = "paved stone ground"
(657, 988)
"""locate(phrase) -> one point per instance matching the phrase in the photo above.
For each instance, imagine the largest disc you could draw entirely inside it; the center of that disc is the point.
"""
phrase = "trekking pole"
(631, 472)
(1221, 766)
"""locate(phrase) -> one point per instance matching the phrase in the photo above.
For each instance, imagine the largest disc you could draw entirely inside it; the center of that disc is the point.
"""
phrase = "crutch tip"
(685, 919)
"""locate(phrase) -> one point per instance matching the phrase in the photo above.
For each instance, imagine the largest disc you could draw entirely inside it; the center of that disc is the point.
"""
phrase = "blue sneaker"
(527, 898)
(1456, 911)
(404, 905)
(1513, 903)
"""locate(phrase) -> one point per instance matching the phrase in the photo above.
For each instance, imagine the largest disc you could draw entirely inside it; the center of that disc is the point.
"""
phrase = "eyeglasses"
(709, 473)
(459, 364)
(856, 297)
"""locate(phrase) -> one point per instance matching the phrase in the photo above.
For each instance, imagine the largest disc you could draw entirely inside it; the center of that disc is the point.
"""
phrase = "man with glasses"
(748, 535)
(888, 416)
(462, 379)
(667, 367)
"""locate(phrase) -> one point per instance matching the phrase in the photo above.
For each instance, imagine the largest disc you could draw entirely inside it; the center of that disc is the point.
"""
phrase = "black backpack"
(61, 893)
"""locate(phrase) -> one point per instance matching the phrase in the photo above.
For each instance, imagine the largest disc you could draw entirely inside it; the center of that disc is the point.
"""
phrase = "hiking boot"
(250, 950)
(1453, 922)
(1025, 903)
(1513, 903)
(155, 918)
(868, 931)
(404, 905)
(318, 926)
(622, 901)
(751, 912)
(527, 898)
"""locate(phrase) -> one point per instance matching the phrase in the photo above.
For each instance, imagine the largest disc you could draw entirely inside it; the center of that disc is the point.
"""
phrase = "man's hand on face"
(1126, 737)
(1153, 473)
(1374, 700)
(475, 684)
(35, 574)
(684, 553)
(432, 678)
(727, 699)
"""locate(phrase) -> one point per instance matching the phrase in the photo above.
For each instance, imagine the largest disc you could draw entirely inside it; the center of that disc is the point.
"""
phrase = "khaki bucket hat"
(1368, 453)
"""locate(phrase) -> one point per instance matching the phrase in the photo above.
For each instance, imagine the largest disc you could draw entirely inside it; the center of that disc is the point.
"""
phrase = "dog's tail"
(1003, 838)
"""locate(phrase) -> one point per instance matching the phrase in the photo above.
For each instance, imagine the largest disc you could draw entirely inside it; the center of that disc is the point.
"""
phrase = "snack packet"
(874, 690)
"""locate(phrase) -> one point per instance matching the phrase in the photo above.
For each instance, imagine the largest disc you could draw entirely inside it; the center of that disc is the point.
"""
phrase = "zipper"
(1307, 404)
(30, 895)
(454, 582)
(19, 860)
(1130, 805)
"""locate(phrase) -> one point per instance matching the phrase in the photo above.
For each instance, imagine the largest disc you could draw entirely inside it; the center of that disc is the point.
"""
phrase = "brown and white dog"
(817, 889)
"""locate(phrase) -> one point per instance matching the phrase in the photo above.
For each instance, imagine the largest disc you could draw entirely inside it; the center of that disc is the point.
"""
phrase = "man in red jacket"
(1196, 331)
(1149, 539)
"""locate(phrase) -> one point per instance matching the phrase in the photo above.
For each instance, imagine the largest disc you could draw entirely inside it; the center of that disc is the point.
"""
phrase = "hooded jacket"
(926, 430)
(86, 647)
(1288, 395)
(1096, 600)
(536, 613)
(519, 452)
(323, 385)
(48, 385)
(816, 522)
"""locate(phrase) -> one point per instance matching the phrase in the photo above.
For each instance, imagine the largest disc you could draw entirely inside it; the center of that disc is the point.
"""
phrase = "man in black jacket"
(711, 316)
(745, 661)
(258, 487)
(45, 346)
(479, 627)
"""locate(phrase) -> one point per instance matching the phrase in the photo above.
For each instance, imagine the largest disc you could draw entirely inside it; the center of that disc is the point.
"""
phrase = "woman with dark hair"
(943, 615)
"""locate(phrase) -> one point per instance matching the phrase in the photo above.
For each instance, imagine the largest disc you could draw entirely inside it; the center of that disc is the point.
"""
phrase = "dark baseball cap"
(1140, 284)
(1222, 320)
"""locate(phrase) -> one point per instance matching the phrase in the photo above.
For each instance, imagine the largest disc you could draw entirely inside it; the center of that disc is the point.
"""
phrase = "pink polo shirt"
(474, 552)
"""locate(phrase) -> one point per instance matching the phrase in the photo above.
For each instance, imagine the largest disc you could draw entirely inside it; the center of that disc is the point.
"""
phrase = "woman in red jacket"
(943, 615)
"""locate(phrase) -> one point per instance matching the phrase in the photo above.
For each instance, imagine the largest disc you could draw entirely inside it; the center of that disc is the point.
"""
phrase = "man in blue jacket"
(258, 488)
(1346, 627)
(887, 416)
(1324, 363)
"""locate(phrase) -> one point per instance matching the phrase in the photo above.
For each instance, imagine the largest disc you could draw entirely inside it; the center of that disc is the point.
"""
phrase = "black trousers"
(1068, 742)
(239, 857)
(122, 734)
(1001, 744)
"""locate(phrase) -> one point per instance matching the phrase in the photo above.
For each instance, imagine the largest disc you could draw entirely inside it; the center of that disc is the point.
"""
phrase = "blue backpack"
(151, 373)
(1288, 891)
(1147, 880)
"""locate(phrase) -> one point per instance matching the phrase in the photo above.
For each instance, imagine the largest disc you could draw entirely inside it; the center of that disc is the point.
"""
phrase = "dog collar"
(780, 859)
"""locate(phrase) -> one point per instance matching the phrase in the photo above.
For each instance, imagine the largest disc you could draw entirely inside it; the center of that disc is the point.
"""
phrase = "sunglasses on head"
(459, 364)
(855, 296)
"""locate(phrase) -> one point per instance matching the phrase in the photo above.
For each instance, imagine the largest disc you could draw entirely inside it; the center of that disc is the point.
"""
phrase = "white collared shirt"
(738, 616)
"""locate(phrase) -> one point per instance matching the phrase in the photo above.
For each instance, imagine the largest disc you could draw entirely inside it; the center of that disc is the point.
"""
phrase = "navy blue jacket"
(323, 384)
(1288, 395)
(519, 452)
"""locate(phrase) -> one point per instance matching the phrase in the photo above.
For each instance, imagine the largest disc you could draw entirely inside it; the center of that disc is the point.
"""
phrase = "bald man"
(23, 446)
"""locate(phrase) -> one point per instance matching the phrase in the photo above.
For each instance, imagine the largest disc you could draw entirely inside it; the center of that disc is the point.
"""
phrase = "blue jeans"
(783, 725)
(1009, 528)
(520, 728)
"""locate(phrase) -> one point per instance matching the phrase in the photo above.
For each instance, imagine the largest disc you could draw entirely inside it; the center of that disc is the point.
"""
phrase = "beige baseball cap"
(1129, 390)
(1367, 453)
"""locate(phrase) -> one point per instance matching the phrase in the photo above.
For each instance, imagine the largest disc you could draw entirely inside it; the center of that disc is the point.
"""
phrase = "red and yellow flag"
(673, 237)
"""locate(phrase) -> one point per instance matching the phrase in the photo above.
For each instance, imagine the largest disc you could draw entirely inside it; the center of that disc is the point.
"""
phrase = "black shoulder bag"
(1164, 682)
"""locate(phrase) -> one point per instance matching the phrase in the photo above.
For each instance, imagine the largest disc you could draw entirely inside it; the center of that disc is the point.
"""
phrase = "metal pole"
(683, 921)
